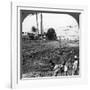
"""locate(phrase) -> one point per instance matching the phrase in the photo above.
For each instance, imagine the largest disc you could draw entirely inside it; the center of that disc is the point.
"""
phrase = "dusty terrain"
(36, 55)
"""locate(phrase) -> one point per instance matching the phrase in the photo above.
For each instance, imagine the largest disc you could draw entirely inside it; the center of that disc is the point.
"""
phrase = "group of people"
(66, 68)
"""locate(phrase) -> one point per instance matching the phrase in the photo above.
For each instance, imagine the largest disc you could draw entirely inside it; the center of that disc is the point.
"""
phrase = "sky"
(64, 24)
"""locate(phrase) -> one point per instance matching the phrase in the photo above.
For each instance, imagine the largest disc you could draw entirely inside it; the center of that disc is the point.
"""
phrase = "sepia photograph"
(49, 43)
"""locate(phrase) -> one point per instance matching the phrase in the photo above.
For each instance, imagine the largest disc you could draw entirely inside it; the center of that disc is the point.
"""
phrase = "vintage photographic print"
(49, 43)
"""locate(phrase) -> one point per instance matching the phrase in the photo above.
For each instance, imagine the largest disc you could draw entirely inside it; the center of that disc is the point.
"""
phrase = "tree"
(34, 29)
(51, 34)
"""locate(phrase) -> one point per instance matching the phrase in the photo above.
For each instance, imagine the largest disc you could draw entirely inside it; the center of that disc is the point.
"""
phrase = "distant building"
(24, 33)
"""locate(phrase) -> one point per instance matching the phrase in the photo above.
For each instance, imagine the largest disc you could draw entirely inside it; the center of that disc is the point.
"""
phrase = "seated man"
(51, 64)
(57, 68)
